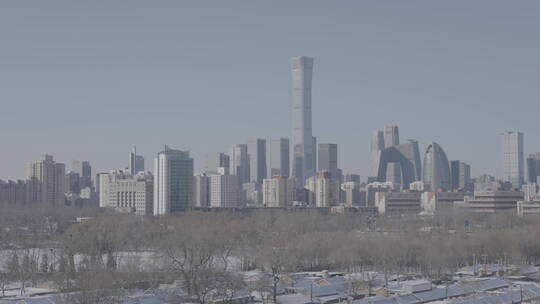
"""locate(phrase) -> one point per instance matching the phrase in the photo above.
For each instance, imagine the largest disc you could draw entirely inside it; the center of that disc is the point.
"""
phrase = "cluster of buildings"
(289, 173)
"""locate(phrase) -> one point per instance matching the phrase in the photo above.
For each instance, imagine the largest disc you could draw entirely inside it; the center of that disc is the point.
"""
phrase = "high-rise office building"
(436, 170)
(173, 181)
(533, 168)
(278, 191)
(256, 149)
(224, 190)
(513, 158)
(328, 160)
(136, 162)
(461, 176)
(279, 157)
(215, 161)
(391, 138)
(201, 190)
(304, 160)
(240, 163)
(51, 180)
(84, 170)
(73, 183)
(377, 145)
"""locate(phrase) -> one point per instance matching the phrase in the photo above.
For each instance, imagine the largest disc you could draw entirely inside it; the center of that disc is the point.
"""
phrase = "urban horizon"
(115, 80)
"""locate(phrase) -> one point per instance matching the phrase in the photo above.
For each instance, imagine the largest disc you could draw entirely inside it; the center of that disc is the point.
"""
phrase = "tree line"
(205, 252)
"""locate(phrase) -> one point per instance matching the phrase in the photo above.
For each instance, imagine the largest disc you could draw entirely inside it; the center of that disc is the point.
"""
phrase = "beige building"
(398, 203)
(224, 190)
(278, 191)
(439, 202)
(323, 191)
(491, 201)
(51, 181)
(127, 193)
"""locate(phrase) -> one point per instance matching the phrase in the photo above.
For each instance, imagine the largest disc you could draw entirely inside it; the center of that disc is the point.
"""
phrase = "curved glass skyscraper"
(436, 170)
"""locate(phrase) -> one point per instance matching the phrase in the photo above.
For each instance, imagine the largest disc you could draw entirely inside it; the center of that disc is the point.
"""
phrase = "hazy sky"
(89, 79)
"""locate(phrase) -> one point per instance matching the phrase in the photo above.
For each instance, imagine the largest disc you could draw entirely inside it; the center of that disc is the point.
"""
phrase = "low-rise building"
(127, 193)
(398, 203)
(491, 201)
(525, 208)
(439, 202)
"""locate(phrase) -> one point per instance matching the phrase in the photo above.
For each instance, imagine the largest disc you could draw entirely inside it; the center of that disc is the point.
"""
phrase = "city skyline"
(78, 100)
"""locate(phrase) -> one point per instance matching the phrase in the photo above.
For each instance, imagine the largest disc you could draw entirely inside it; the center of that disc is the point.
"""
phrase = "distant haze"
(90, 79)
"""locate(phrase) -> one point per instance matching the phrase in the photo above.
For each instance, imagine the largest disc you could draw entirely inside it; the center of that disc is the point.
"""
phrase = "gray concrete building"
(51, 180)
(224, 190)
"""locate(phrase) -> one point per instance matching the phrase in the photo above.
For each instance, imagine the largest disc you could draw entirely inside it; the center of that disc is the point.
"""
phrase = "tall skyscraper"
(136, 162)
(240, 163)
(328, 160)
(279, 157)
(173, 181)
(256, 149)
(304, 160)
(51, 180)
(513, 158)
(84, 170)
(391, 138)
(215, 161)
